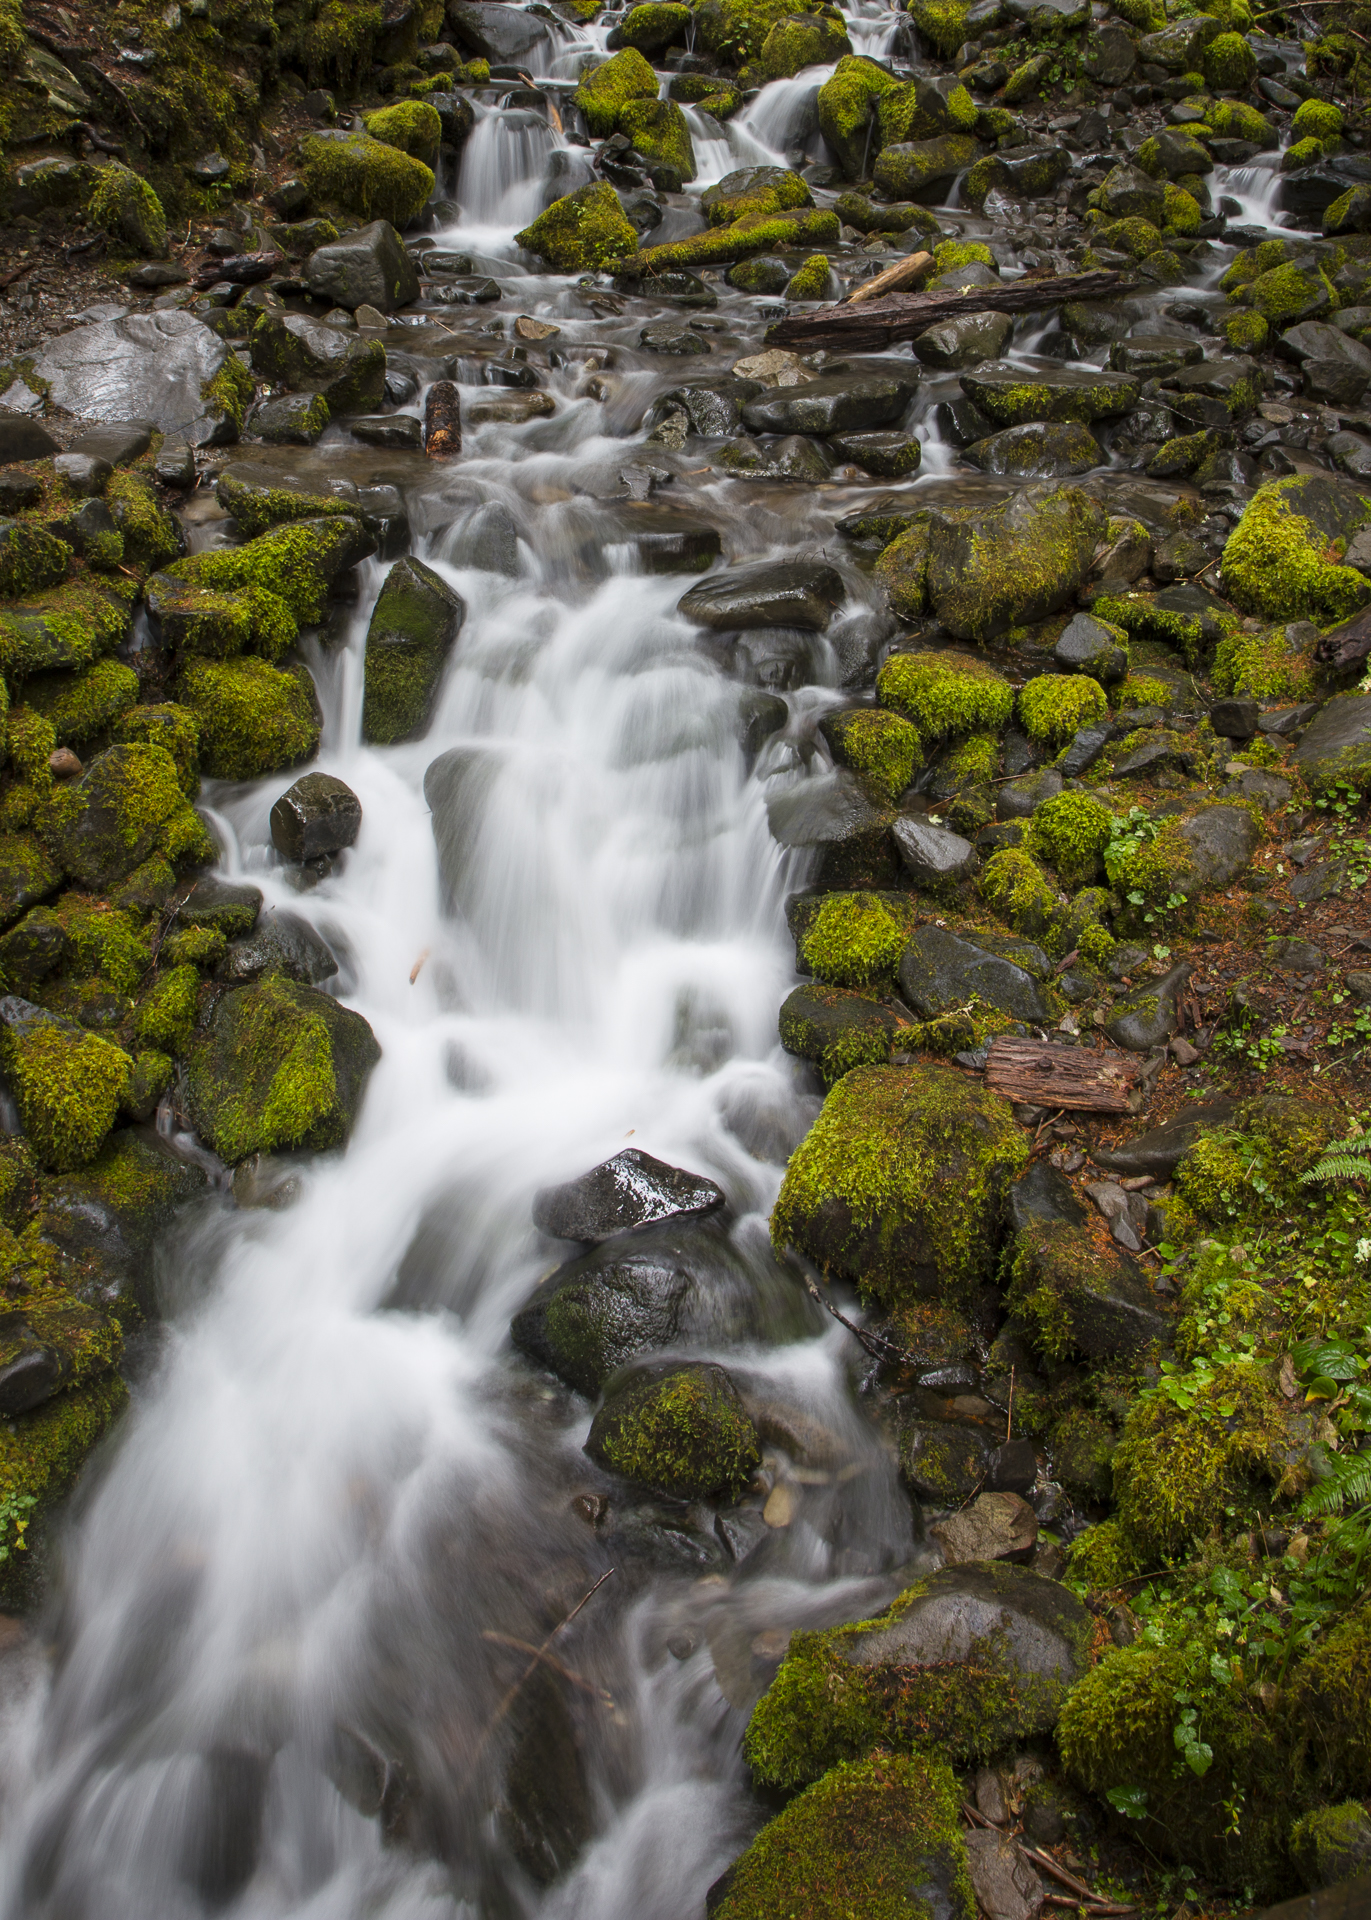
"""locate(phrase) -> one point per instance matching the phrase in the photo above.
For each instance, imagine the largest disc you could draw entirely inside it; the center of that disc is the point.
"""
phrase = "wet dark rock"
(668, 336)
(932, 856)
(1083, 1295)
(1150, 1015)
(229, 907)
(1111, 57)
(402, 430)
(1160, 1150)
(679, 1429)
(943, 1462)
(835, 1028)
(631, 1190)
(847, 837)
(1043, 1195)
(1337, 744)
(1234, 718)
(109, 1216)
(1020, 799)
(317, 816)
(965, 341)
(783, 593)
(24, 439)
(1004, 390)
(940, 971)
(1089, 646)
(499, 34)
(547, 1816)
(281, 942)
(413, 627)
(288, 420)
(794, 459)
(889, 454)
(148, 366)
(1037, 450)
(489, 541)
(832, 403)
(292, 350)
(714, 403)
(1221, 842)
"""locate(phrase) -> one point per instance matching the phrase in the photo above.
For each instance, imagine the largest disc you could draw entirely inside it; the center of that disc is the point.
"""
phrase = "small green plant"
(1342, 803)
(14, 1512)
(1348, 1160)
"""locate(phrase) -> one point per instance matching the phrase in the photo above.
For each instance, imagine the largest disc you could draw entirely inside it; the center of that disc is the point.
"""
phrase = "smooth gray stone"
(940, 971)
(1149, 1015)
(776, 593)
(932, 855)
(631, 1190)
(281, 942)
(147, 366)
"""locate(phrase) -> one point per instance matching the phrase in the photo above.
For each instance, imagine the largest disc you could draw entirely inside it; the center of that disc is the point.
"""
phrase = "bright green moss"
(608, 88)
(800, 41)
(902, 570)
(1142, 619)
(654, 25)
(1151, 868)
(586, 231)
(173, 728)
(660, 132)
(67, 1085)
(754, 233)
(1262, 665)
(883, 749)
(945, 694)
(149, 533)
(195, 947)
(83, 703)
(1133, 235)
(1303, 153)
(30, 739)
(67, 626)
(679, 1430)
(847, 101)
(1141, 690)
(40, 1456)
(1281, 565)
(297, 564)
(365, 177)
(839, 1030)
(900, 1182)
(1284, 294)
(941, 25)
(853, 940)
(411, 125)
(31, 559)
(975, 761)
(1014, 886)
(1071, 831)
(1117, 1729)
(256, 508)
(166, 1013)
(737, 30)
(1183, 211)
(1246, 332)
(253, 719)
(123, 204)
(1055, 706)
(810, 280)
(1240, 121)
(1317, 120)
(1230, 66)
(100, 941)
(881, 1838)
(779, 190)
(1100, 1559)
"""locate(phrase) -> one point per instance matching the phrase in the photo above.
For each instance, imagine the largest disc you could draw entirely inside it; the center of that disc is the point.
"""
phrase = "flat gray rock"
(631, 1190)
(932, 855)
(148, 366)
(939, 971)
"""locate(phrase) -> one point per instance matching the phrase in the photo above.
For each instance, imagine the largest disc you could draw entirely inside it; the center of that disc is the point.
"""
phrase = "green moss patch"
(680, 1430)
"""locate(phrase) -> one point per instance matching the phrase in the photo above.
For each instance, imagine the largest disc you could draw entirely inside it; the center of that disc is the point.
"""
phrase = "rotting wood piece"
(900, 275)
(1041, 1074)
(443, 421)
(903, 315)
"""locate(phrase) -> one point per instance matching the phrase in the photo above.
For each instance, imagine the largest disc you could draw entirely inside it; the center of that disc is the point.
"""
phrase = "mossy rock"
(1332, 1844)
(754, 190)
(908, 168)
(1081, 1452)
(810, 281)
(968, 1663)
(126, 805)
(365, 177)
(83, 702)
(880, 1837)
(803, 40)
(900, 1184)
(150, 535)
(754, 233)
(41, 1454)
(124, 205)
(1071, 831)
(1266, 667)
(1284, 558)
(945, 695)
(608, 88)
(1328, 1729)
(1055, 706)
(918, 110)
(853, 939)
(411, 125)
(67, 626)
(941, 24)
(279, 1066)
(67, 1083)
(108, 1216)
(297, 564)
(654, 26)
(28, 874)
(1016, 889)
(31, 558)
(659, 132)
(18, 1182)
(248, 493)
(1009, 566)
(253, 719)
(736, 30)
(1081, 1294)
(838, 1030)
(174, 729)
(882, 749)
(582, 233)
(415, 622)
(1118, 1730)
(681, 1430)
(847, 106)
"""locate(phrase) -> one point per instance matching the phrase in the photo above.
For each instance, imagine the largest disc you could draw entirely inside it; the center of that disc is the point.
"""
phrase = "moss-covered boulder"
(414, 126)
(941, 24)
(124, 205)
(900, 1184)
(654, 25)
(1079, 1293)
(67, 1083)
(659, 132)
(967, 1663)
(736, 30)
(280, 1065)
(1055, 706)
(298, 564)
(847, 108)
(1327, 1722)
(582, 233)
(347, 370)
(919, 110)
(28, 874)
(31, 558)
(41, 1454)
(1336, 746)
(880, 1837)
(127, 805)
(415, 622)
(1118, 1730)
(838, 1030)
(1011, 565)
(753, 233)
(253, 718)
(754, 190)
(84, 701)
(106, 1218)
(803, 40)
(364, 176)
(1284, 558)
(908, 169)
(882, 749)
(682, 1430)
(1332, 1844)
(66, 626)
(946, 694)
(607, 89)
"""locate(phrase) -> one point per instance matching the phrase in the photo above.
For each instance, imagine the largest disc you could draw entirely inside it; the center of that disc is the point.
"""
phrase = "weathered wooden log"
(1045, 1075)
(443, 421)
(900, 275)
(902, 316)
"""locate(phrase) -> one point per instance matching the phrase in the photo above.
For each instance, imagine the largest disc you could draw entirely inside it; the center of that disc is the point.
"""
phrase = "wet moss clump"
(1071, 831)
(66, 1083)
(681, 1430)
(945, 694)
(941, 24)
(279, 1066)
(1286, 567)
(754, 233)
(1079, 1293)
(852, 940)
(253, 719)
(884, 750)
(1265, 667)
(124, 205)
(1317, 120)
(608, 88)
(67, 626)
(166, 1014)
(1014, 887)
(1055, 706)
(846, 103)
(365, 177)
(85, 702)
(174, 729)
(411, 125)
(900, 1184)
(1329, 1729)
(256, 508)
(838, 1029)
(150, 535)
(31, 559)
(41, 1454)
(881, 1838)
(660, 132)
(297, 564)
(810, 280)
(582, 233)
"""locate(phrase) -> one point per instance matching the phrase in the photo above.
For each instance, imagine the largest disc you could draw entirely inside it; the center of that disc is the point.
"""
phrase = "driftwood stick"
(549, 1660)
(539, 1654)
(900, 275)
(903, 315)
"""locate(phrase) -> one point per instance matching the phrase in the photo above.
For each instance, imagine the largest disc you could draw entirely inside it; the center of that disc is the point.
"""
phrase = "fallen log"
(1043, 1075)
(900, 275)
(881, 322)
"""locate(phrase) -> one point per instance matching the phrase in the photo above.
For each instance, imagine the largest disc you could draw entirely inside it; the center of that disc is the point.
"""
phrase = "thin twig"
(599, 1693)
(875, 1343)
(512, 1695)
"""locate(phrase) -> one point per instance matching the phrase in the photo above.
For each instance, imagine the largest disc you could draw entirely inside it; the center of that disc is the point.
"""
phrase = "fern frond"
(1348, 1485)
(1348, 1159)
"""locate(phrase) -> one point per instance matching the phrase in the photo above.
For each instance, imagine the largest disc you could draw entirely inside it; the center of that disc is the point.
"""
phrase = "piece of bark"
(1040, 1074)
(443, 421)
(900, 275)
(904, 315)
